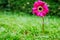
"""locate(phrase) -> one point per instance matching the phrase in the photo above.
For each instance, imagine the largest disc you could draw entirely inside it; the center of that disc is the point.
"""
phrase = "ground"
(28, 27)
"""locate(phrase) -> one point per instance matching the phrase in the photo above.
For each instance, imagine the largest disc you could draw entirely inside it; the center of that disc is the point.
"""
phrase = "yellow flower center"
(40, 9)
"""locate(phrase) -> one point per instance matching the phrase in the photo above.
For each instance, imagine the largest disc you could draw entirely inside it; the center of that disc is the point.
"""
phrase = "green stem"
(43, 24)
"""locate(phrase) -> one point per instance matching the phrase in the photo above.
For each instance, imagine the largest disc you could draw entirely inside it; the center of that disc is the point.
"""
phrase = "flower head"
(40, 8)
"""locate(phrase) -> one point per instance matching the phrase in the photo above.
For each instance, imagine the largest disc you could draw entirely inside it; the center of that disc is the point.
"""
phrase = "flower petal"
(36, 4)
(34, 10)
(46, 9)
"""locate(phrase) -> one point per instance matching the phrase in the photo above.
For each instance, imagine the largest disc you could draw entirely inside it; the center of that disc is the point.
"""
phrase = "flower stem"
(43, 24)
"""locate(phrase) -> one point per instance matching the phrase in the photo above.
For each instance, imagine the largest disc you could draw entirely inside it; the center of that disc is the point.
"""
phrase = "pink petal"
(34, 10)
(36, 4)
(37, 14)
(41, 14)
(46, 8)
(41, 3)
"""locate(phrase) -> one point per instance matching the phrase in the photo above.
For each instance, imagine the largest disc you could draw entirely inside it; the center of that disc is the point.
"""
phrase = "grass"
(26, 27)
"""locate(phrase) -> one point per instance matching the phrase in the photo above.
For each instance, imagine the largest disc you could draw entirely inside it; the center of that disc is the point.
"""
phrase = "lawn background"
(18, 23)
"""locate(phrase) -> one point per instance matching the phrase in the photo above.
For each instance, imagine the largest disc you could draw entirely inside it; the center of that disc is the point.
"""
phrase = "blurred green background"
(26, 6)
(18, 23)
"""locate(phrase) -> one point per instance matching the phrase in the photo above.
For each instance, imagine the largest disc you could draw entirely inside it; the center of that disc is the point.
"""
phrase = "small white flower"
(27, 2)
(48, 5)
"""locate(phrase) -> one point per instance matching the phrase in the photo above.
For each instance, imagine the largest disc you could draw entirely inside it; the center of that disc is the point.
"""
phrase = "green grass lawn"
(27, 27)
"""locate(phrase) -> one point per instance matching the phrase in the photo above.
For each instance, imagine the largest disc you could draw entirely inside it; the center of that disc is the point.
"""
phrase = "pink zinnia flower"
(40, 8)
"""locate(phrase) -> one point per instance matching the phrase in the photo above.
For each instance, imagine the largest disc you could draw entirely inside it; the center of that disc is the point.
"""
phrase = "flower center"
(40, 9)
